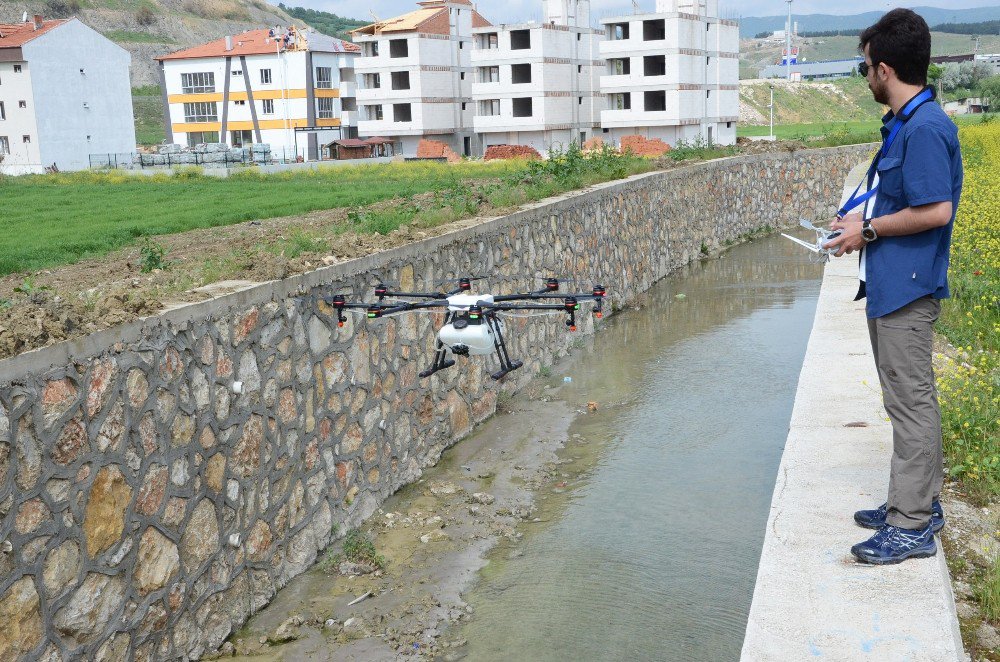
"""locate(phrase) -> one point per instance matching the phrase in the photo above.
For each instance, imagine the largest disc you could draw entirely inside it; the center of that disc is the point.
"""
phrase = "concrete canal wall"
(148, 506)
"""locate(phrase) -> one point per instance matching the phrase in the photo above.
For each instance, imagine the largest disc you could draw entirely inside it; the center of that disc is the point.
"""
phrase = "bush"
(145, 16)
(62, 8)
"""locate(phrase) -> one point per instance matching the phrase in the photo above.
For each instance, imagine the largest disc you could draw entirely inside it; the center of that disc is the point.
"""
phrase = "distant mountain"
(749, 26)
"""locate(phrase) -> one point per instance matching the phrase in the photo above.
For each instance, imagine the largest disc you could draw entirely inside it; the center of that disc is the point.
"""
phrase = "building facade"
(414, 76)
(291, 89)
(64, 95)
(672, 75)
(537, 84)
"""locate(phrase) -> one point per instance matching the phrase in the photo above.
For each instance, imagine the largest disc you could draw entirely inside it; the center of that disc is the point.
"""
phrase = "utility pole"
(788, 43)
(772, 111)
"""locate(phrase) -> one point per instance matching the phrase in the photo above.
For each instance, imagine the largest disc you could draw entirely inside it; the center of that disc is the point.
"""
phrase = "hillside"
(148, 28)
(751, 25)
(756, 54)
(325, 22)
(844, 100)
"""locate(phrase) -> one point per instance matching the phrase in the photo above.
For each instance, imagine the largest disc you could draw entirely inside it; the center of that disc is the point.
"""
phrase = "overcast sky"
(517, 10)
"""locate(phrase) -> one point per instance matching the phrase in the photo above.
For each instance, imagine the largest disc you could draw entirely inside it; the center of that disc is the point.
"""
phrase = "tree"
(990, 91)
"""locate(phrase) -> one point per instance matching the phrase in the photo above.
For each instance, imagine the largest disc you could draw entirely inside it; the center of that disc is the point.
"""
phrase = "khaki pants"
(902, 344)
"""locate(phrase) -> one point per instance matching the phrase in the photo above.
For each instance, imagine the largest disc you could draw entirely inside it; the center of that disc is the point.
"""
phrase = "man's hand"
(850, 238)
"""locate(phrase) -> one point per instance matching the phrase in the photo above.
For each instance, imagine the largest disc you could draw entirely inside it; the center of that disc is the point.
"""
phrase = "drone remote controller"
(823, 239)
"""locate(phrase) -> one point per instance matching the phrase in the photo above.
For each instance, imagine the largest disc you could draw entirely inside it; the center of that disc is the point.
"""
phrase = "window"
(489, 74)
(237, 72)
(265, 76)
(240, 102)
(370, 49)
(579, 68)
(654, 65)
(3, 113)
(618, 31)
(654, 30)
(324, 78)
(520, 40)
(461, 76)
(489, 41)
(267, 106)
(325, 109)
(198, 83)
(729, 125)
(26, 139)
(461, 45)
(241, 138)
(620, 67)
(655, 101)
(4, 145)
(201, 111)
(83, 72)
(17, 68)
(373, 81)
(400, 80)
(520, 73)
(399, 48)
(348, 104)
(24, 104)
(198, 137)
(463, 105)
(621, 101)
(373, 113)
(522, 107)
(401, 112)
(489, 108)
(579, 101)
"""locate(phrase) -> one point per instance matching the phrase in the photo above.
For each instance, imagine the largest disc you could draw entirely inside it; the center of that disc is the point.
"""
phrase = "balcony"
(348, 89)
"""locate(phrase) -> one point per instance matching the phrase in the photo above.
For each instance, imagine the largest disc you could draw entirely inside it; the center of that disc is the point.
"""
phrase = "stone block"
(104, 519)
(156, 563)
(58, 397)
(89, 611)
(19, 612)
(201, 536)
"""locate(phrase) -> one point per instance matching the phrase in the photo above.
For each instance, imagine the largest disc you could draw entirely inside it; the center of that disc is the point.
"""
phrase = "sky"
(509, 11)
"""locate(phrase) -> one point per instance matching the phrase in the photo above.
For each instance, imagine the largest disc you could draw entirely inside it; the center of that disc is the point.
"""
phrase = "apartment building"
(290, 88)
(537, 84)
(64, 95)
(414, 76)
(672, 74)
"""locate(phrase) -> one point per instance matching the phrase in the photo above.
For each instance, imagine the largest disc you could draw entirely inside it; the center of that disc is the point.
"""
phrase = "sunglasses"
(864, 67)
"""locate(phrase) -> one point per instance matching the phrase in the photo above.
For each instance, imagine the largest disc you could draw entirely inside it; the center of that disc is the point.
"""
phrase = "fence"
(221, 159)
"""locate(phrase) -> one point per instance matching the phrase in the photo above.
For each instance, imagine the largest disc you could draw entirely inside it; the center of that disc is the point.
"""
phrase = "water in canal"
(653, 555)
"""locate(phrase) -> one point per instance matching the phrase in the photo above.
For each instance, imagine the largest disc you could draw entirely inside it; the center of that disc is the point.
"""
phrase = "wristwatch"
(868, 231)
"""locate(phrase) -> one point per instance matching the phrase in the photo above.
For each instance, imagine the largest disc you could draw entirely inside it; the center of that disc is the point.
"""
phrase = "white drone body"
(823, 238)
(469, 336)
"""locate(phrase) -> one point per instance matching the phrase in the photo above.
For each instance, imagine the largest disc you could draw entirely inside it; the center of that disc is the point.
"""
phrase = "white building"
(414, 76)
(537, 84)
(292, 89)
(64, 95)
(672, 75)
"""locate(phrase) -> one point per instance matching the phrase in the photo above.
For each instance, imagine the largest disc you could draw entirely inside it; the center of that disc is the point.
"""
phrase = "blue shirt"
(922, 166)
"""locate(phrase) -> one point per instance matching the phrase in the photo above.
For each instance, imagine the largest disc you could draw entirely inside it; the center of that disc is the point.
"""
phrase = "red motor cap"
(381, 290)
(552, 284)
(599, 291)
(338, 301)
(465, 284)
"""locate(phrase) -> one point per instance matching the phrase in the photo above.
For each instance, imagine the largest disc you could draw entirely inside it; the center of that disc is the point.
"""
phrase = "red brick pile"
(641, 146)
(595, 144)
(435, 149)
(495, 152)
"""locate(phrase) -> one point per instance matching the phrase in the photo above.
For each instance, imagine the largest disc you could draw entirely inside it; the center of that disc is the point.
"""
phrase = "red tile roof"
(15, 35)
(254, 42)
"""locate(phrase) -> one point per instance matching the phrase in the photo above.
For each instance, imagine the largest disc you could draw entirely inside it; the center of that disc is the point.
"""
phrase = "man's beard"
(879, 92)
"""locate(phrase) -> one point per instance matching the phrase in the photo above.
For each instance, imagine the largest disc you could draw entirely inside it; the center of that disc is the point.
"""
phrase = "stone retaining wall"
(146, 508)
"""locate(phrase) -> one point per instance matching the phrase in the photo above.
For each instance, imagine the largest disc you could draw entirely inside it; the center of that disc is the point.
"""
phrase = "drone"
(823, 238)
(472, 323)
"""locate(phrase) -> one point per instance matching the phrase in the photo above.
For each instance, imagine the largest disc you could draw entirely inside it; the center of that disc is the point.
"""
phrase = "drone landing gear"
(506, 365)
(441, 360)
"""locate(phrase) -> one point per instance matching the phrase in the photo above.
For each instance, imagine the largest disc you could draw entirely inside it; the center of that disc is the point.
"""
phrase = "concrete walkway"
(812, 600)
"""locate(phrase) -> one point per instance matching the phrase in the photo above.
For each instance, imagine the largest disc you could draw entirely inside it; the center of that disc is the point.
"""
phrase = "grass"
(129, 36)
(60, 219)
(357, 548)
(811, 129)
(150, 128)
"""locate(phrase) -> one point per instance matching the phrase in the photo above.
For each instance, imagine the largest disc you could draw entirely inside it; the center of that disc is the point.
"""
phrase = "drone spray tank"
(468, 334)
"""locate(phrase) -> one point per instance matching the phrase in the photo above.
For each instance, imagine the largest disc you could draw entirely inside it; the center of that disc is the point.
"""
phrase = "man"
(905, 239)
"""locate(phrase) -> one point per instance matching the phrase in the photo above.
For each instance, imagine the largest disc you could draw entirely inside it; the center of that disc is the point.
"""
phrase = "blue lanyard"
(857, 198)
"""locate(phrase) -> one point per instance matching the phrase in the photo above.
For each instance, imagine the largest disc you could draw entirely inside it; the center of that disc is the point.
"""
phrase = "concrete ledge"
(811, 598)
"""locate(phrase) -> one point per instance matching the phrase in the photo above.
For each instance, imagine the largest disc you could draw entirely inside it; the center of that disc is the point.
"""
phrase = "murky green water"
(653, 556)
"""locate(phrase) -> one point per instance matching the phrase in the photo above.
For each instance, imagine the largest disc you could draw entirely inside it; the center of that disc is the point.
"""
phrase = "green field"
(58, 219)
(810, 130)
